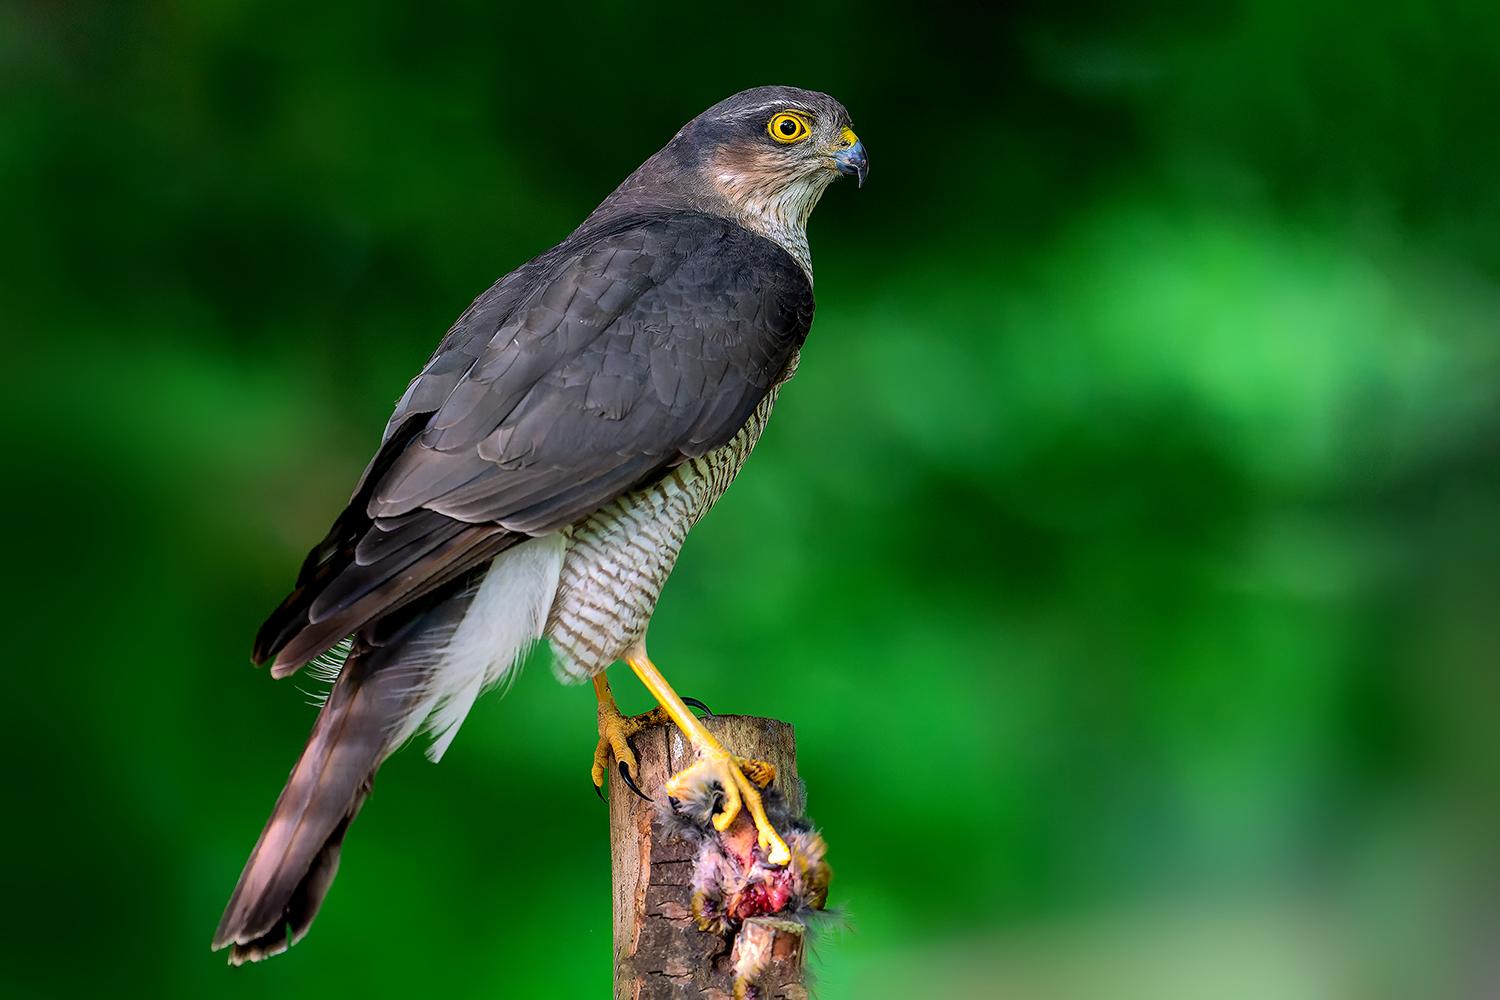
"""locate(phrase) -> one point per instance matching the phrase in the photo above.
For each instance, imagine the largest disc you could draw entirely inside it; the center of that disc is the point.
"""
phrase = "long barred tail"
(421, 666)
(367, 715)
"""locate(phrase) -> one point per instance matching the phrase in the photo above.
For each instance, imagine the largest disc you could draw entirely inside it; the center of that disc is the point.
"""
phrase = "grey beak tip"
(854, 160)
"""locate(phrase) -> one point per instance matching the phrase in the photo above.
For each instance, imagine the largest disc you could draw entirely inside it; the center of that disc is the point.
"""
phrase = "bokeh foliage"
(1126, 552)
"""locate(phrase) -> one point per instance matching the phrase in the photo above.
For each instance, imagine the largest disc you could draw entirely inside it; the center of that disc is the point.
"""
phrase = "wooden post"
(660, 954)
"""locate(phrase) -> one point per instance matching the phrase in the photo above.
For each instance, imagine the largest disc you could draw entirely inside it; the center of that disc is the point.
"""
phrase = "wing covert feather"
(653, 345)
(632, 346)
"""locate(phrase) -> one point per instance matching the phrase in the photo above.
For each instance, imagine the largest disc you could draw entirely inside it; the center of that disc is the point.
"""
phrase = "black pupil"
(788, 127)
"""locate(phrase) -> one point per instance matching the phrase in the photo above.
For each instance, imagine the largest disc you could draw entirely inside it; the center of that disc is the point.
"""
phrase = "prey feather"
(737, 893)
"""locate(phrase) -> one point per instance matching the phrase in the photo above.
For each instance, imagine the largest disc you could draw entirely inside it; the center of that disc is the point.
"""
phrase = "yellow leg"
(614, 730)
(714, 762)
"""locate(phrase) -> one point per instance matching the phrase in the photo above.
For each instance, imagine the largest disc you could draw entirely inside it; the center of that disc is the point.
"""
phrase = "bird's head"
(762, 157)
(764, 141)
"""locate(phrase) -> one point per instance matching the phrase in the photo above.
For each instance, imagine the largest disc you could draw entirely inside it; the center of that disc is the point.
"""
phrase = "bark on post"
(660, 954)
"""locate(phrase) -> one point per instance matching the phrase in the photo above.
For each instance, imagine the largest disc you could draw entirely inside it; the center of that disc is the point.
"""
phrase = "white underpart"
(505, 618)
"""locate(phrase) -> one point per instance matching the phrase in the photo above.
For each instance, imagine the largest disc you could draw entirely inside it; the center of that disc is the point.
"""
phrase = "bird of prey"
(537, 480)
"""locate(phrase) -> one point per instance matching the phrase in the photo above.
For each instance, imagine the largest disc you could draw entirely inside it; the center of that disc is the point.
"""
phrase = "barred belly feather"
(619, 557)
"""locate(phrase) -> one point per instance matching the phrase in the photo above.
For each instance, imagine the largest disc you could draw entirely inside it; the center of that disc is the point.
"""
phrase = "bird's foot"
(740, 781)
(615, 731)
(737, 779)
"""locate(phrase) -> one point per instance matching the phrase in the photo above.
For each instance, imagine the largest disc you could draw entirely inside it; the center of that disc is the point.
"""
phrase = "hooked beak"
(852, 158)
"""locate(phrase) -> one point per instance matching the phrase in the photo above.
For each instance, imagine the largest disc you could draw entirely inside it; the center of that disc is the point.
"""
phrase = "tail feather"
(294, 861)
(369, 713)
(423, 665)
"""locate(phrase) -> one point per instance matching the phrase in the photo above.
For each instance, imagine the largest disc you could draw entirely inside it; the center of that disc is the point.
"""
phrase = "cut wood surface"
(660, 954)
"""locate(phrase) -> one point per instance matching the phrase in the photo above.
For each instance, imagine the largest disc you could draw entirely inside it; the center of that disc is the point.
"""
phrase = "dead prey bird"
(539, 476)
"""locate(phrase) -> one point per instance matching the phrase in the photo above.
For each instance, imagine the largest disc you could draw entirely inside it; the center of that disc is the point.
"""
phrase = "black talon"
(599, 792)
(695, 703)
(625, 773)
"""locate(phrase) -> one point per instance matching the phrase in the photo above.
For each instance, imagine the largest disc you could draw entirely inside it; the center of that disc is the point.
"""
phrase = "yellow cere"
(788, 127)
(849, 137)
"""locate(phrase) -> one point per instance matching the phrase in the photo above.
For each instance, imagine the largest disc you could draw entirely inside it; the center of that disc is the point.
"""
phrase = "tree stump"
(660, 954)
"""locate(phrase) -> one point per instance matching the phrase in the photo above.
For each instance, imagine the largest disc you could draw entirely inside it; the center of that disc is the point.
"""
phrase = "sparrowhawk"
(537, 479)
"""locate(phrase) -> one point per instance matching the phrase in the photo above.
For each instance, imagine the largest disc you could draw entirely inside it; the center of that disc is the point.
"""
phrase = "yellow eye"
(787, 127)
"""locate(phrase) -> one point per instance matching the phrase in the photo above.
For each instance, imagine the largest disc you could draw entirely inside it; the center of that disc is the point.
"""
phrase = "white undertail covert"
(506, 617)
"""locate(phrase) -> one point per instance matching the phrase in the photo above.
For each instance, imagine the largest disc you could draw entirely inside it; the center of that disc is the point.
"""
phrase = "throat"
(777, 211)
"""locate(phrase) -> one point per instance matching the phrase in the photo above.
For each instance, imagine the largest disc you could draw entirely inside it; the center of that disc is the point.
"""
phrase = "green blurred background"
(1126, 553)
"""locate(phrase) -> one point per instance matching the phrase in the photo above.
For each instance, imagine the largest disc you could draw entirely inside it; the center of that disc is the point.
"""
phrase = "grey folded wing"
(629, 348)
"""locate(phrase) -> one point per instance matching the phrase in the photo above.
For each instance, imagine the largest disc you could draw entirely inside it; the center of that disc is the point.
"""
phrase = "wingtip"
(281, 669)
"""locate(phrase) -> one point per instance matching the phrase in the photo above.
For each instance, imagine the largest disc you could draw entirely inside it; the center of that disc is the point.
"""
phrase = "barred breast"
(619, 557)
